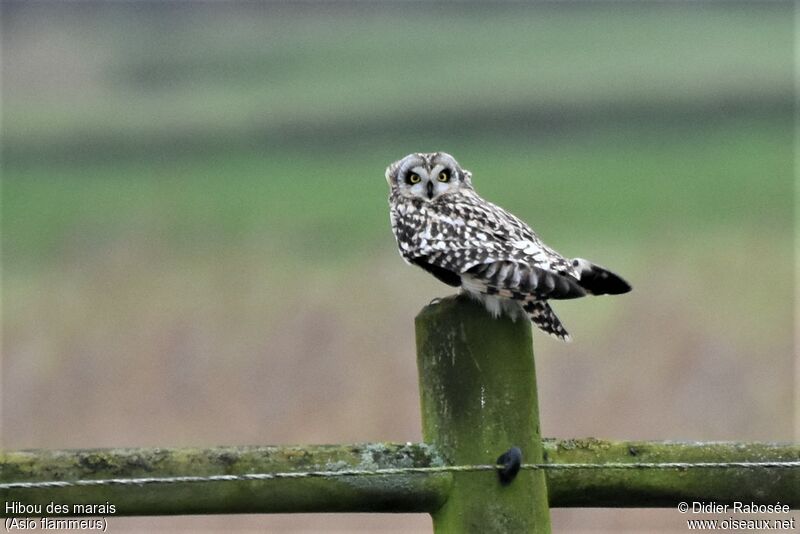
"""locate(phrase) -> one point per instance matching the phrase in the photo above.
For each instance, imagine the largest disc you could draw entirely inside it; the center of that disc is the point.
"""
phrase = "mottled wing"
(492, 251)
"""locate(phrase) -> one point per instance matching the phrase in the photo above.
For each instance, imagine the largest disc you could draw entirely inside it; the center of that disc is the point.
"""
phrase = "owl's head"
(427, 176)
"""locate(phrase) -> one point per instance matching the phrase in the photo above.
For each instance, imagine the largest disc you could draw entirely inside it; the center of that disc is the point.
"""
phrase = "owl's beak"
(430, 190)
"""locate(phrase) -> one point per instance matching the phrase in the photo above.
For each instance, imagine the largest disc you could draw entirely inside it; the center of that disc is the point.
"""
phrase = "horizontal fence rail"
(708, 471)
(386, 477)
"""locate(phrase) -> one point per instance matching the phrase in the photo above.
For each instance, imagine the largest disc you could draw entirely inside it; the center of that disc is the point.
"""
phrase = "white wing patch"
(527, 247)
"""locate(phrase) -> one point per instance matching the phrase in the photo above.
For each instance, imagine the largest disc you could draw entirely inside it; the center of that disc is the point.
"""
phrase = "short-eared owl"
(443, 226)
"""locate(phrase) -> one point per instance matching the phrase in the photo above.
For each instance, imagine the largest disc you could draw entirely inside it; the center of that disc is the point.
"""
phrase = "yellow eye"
(414, 178)
(444, 176)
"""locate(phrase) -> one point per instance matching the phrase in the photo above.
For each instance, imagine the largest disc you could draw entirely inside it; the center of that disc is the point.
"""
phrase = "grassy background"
(195, 236)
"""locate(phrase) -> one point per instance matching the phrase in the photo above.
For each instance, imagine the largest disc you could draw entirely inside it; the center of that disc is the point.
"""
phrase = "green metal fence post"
(478, 395)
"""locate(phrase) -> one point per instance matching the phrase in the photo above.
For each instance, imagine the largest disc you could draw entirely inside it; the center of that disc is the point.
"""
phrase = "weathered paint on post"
(478, 393)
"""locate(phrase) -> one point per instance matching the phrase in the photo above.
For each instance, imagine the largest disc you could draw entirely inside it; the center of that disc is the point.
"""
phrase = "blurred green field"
(195, 236)
(332, 207)
(156, 75)
(280, 123)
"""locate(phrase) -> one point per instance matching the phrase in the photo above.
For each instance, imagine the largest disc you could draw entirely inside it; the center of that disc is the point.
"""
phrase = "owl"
(443, 226)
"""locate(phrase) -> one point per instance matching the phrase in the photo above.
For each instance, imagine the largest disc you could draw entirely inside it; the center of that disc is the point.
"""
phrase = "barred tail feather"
(519, 281)
(543, 316)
